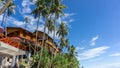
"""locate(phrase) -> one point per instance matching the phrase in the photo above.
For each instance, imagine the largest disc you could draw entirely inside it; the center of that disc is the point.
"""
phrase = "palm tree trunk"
(6, 26)
(45, 25)
(25, 24)
(5, 6)
(37, 34)
(54, 29)
(3, 18)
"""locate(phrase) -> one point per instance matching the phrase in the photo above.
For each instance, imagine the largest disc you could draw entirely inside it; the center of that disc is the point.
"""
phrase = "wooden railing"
(13, 42)
(1, 35)
(52, 45)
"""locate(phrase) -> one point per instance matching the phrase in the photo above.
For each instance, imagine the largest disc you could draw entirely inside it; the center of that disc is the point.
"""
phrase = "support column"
(28, 55)
(1, 58)
(13, 61)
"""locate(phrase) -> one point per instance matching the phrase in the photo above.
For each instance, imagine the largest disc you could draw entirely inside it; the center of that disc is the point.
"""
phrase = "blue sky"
(94, 29)
(95, 32)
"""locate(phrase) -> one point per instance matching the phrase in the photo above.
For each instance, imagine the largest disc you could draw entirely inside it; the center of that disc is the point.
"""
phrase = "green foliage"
(11, 8)
(63, 60)
(62, 30)
(45, 61)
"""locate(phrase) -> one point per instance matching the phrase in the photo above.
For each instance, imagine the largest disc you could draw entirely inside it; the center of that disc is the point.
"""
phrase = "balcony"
(52, 45)
(11, 46)
(10, 50)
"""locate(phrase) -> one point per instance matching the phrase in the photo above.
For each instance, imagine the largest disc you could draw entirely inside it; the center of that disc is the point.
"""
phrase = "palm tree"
(62, 43)
(8, 2)
(46, 15)
(3, 19)
(62, 34)
(72, 59)
(50, 26)
(43, 10)
(72, 50)
(26, 20)
(37, 12)
(45, 59)
(57, 10)
(9, 11)
(67, 43)
(59, 61)
(62, 30)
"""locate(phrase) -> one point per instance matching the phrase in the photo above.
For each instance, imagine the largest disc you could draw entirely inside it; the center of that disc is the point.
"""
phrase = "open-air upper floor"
(30, 37)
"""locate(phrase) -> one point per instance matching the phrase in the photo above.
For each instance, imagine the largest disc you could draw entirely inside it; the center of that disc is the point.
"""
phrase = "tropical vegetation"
(50, 11)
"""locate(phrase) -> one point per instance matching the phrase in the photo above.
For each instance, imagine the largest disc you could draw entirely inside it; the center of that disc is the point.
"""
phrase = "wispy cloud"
(93, 40)
(1, 17)
(109, 65)
(67, 15)
(115, 55)
(26, 6)
(67, 18)
(92, 53)
(79, 48)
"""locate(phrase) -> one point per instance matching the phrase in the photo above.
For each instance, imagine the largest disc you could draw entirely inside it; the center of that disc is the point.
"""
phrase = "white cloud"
(12, 21)
(26, 6)
(95, 60)
(1, 17)
(66, 15)
(71, 20)
(115, 54)
(109, 65)
(113, 65)
(79, 48)
(18, 23)
(92, 53)
(93, 40)
(66, 18)
(26, 10)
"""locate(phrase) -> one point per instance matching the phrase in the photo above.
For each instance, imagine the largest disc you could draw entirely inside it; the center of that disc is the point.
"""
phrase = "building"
(23, 43)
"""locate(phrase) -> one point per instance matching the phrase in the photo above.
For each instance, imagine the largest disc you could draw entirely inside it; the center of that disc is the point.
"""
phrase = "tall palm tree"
(72, 59)
(46, 14)
(72, 50)
(8, 12)
(62, 30)
(67, 43)
(57, 10)
(42, 9)
(50, 26)
(3, 19)
(45, 59)
(37, 12)
(62, 43)
(26, 20)
(5, 6)
(59, 61)
(62, 34)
